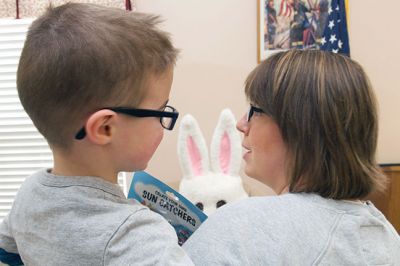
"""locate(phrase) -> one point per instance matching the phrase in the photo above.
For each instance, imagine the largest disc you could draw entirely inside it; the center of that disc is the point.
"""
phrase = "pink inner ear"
(194, 155)
(225, 153)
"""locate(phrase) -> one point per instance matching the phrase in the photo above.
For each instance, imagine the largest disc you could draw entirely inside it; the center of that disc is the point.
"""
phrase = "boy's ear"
(100, 126)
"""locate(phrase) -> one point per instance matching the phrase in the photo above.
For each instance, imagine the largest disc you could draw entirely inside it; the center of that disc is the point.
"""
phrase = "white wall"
(218, 40)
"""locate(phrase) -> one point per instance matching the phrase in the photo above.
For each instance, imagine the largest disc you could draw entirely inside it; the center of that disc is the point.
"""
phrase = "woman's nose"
(242, 125)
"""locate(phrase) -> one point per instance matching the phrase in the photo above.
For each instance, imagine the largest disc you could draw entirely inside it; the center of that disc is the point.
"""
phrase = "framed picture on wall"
(287, 24)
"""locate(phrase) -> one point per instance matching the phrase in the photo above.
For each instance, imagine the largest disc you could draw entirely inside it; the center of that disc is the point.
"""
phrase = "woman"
(310, 135)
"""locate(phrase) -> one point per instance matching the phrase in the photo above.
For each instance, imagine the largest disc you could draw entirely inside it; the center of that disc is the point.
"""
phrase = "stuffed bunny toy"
(210, 187)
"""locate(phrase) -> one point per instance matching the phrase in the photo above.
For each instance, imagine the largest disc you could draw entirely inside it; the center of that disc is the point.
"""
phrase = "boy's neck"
(76, 164)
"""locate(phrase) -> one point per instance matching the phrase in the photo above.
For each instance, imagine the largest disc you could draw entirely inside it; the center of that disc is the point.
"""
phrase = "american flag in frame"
(301, 24)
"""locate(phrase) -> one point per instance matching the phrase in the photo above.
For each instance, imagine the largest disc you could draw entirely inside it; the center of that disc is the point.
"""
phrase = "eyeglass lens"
(167, 122)
(250, 113)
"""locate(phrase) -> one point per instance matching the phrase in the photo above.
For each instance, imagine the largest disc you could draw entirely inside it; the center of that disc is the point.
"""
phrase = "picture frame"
(263, 50)
(261, 16)
(287, 24)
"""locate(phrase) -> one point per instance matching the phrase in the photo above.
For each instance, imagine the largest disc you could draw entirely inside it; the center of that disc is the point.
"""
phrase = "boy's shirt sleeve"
(145, 238)
(8, 248)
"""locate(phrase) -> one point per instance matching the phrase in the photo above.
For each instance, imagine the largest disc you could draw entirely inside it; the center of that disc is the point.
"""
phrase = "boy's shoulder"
(86, 194)
(90, 201)
(88, 209)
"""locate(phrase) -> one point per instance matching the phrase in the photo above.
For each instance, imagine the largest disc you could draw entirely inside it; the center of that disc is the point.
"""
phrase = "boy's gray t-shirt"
(295, 229)
(59, 220)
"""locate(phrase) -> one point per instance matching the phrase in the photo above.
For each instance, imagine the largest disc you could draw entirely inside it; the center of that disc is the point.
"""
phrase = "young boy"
(95, 82)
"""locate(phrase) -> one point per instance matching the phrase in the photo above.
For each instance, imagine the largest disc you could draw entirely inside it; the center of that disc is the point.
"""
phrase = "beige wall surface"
(375, 44)
(218, 42)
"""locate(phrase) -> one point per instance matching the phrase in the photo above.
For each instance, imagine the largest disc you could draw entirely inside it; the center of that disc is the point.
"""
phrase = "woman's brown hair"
(325, 108)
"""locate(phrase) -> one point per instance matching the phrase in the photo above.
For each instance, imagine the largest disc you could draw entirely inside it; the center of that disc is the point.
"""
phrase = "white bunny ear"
(192, 149)
(226, 147)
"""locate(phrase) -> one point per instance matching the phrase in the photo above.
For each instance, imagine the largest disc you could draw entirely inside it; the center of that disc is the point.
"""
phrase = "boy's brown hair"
(325, 108)
(79, 58)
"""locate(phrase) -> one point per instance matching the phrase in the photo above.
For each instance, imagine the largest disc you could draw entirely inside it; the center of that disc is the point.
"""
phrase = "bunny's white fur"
(220, 182)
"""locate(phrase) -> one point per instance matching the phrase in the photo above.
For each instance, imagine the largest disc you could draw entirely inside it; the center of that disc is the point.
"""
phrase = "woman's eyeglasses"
(167, 117)
(253, 110)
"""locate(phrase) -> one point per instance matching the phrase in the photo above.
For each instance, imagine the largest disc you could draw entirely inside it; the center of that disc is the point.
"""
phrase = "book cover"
(183, 215)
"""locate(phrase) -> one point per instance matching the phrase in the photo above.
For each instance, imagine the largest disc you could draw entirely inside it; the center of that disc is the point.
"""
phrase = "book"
(182, 214)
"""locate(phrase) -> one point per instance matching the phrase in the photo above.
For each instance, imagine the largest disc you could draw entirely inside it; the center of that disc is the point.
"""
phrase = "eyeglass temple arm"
(81, 134)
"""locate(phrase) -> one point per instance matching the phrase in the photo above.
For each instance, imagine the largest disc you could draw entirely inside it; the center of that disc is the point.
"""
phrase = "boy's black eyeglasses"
(252, 110)
(167, 117)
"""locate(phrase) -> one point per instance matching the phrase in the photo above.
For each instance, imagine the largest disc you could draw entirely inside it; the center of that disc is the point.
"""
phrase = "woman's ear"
(100, 126)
